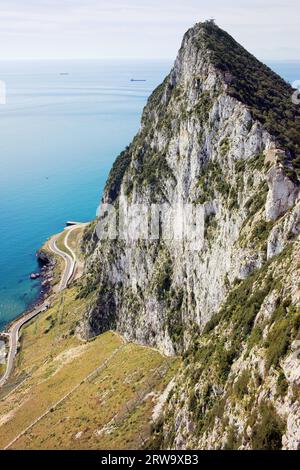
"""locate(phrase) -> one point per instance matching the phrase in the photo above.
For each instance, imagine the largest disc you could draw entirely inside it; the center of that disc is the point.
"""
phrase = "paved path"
(13, 332)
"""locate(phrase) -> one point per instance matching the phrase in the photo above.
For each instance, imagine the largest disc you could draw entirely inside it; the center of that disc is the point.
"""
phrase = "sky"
(147, 29)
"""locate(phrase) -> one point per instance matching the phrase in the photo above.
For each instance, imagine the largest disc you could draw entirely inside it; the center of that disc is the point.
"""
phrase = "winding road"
(70, 261)
(13, 332)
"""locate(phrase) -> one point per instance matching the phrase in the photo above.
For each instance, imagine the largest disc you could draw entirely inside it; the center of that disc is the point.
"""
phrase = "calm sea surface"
(60, 131)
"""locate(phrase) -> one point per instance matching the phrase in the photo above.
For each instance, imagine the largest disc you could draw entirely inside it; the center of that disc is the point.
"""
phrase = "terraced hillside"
(67, 393)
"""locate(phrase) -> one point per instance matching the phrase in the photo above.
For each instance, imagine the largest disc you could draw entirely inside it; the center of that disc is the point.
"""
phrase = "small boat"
(64, 73)
(137, 80)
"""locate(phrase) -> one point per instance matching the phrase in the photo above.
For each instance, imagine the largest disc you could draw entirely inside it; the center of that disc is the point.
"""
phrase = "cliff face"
(211, 138)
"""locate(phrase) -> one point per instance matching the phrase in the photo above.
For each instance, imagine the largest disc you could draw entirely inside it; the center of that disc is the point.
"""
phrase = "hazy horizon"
(148, 29)
(147, 59)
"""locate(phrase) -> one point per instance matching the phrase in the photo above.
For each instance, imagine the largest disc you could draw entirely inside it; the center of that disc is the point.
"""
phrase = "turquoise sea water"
(59, 135)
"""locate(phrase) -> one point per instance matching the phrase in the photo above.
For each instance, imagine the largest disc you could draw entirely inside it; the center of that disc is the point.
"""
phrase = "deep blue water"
(59, 135)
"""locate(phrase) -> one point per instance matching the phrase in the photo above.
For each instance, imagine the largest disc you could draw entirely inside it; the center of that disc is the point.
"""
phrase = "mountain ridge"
(202, 36)
(195, 254)
(222, 298)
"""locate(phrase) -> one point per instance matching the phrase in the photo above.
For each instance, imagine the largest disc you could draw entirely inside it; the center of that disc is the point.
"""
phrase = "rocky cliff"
(220, 134)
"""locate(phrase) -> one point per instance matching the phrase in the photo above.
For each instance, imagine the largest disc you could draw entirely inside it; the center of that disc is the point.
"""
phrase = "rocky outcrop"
(47, 265)
(193, 138)
(44, 258)
(34, 276)
(207, 158)
(285, 231)
(282, 193)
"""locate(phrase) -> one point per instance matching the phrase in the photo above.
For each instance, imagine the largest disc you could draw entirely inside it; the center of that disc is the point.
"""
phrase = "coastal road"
(13, 332)
(70, 261)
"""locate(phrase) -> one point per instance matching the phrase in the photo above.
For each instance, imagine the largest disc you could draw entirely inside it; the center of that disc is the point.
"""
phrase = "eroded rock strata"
(221, 132)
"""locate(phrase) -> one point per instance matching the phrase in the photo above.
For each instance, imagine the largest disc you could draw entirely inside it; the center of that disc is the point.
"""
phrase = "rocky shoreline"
(2, 350)
(46, 264)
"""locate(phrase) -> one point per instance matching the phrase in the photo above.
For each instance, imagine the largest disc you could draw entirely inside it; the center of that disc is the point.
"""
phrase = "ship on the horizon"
(138, 80)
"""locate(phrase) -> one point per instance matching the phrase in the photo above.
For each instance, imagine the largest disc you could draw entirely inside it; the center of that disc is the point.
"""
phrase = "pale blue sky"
(141, 28)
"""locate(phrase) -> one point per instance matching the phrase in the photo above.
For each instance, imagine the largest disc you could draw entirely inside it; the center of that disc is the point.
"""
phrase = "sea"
(62, 124)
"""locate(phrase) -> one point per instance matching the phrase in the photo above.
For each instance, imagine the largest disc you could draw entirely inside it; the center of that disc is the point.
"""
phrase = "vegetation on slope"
(114, 181)
(66, 393)
(60, 243)
(268, 96)
(232, 365)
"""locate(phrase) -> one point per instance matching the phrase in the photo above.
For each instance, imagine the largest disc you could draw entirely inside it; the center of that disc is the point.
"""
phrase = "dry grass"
(60, 243)
(74, 241)
(107, 411)
(55, 363)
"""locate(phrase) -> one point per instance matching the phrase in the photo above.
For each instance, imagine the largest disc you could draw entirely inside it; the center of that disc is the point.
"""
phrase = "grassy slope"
(60, 243)
(53, 361)
(74, 241)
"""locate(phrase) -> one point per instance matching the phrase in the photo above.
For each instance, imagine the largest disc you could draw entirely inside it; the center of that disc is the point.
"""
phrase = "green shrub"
(113, 184)
(278, 342)
(268, 429)
(262, 229)
(285, 327)
(255, 337)
(224, 359)
(233, 441)
(174, 317)
(240, 387)
(204, 106)
(225, 147)
(240, 166)
(255, 203)
(210, 224)
(282, 385)
(153, 169)
(211, 180)
(162, 277)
